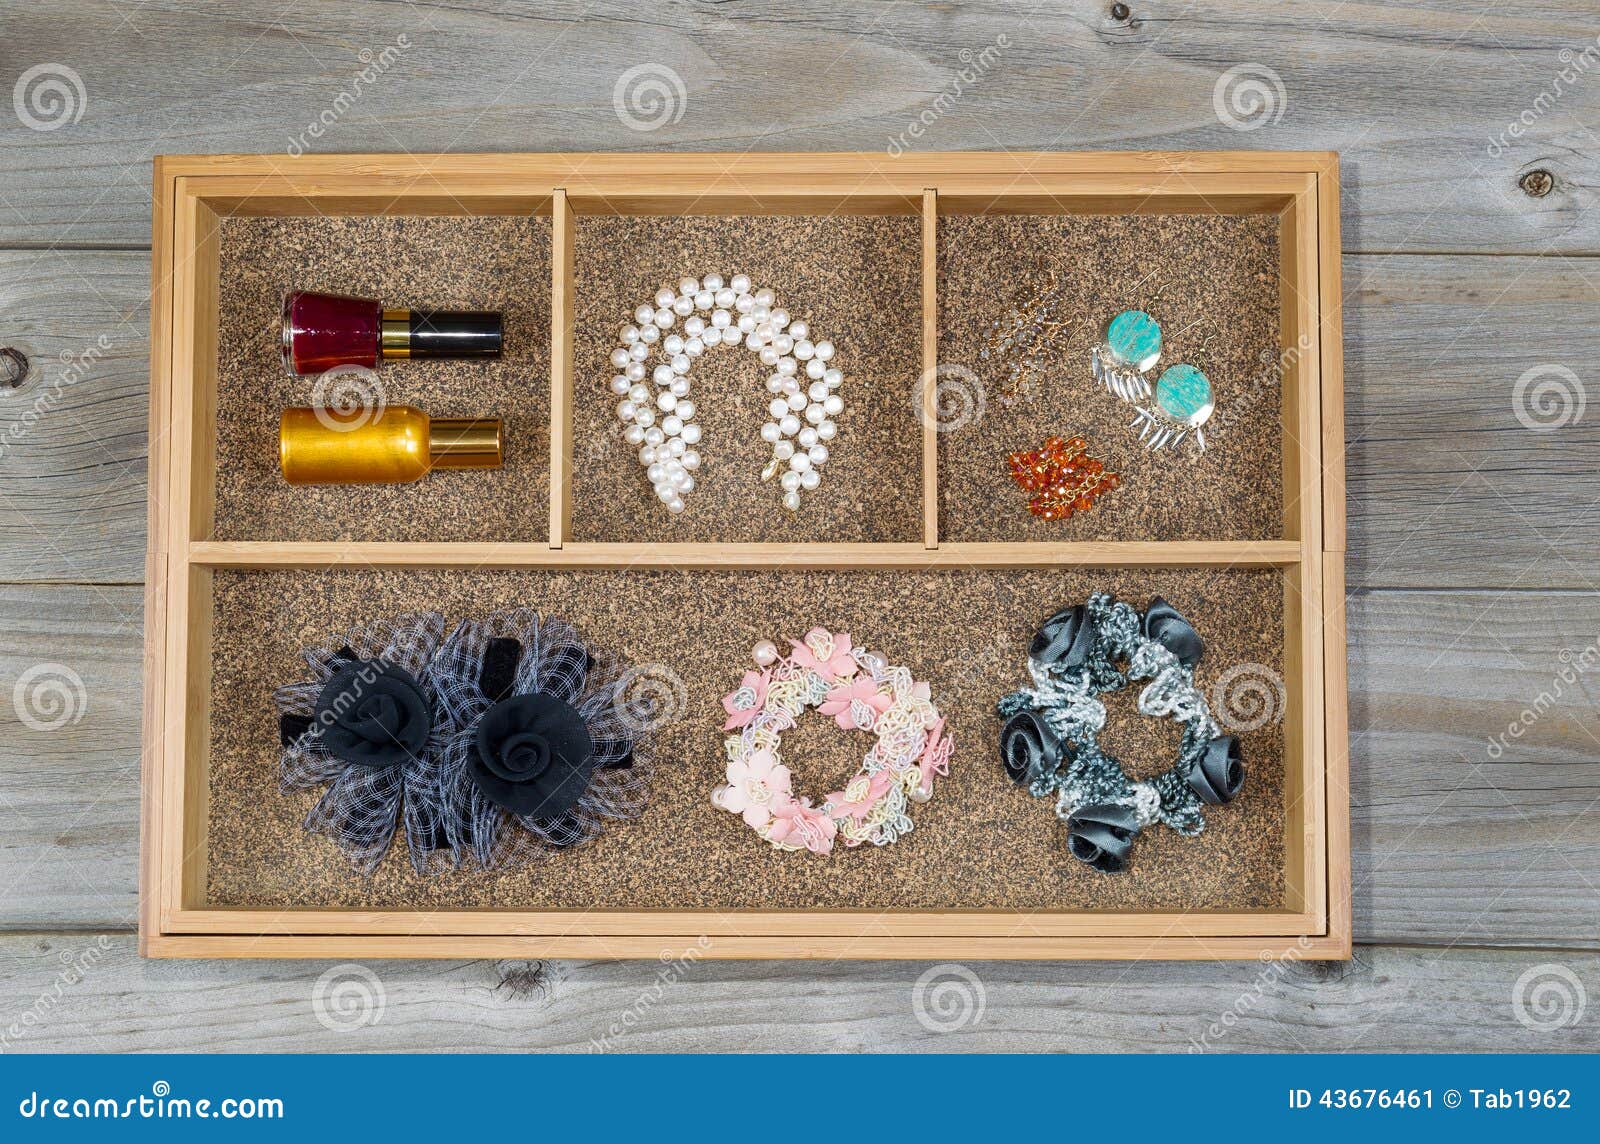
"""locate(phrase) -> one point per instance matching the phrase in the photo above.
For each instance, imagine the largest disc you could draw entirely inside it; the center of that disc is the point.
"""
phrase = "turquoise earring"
(1184, 402)
(1130, 346)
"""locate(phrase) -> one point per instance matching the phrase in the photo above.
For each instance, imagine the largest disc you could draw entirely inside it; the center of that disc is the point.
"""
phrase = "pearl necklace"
(802, 417)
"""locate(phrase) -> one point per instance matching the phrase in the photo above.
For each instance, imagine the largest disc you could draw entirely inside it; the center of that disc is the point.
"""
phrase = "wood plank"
(205, 77)
(72, 439)
(1450, 844)
(91, 992)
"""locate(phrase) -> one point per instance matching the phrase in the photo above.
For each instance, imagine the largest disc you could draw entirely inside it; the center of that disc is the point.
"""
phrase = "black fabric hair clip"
(547, 745)
(368, 726)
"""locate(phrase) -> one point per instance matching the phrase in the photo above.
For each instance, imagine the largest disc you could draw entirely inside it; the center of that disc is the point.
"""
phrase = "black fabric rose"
(1066, 639)
(1102, 835)
(1217, 773)
(534, 755)
(373, 714)
(1029, 749)
(1166, 625)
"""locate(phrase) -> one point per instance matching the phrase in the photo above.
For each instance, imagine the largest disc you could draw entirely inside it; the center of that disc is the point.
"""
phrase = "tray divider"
(564, 231)
(929, 388)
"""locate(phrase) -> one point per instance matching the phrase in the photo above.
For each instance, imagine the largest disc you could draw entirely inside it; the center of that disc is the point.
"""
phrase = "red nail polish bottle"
(321, 331)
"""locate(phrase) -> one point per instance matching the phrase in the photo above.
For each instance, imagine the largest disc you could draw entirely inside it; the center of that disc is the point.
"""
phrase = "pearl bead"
(663, 374)
(638, 351)
(679, 386)
(704, 300)
(685, 410)
(780, 318)
(760, 315)
(691, 459)
(657, 473)
(744, 303)
(810, 479)
(798, 330)
(764, 297)
(833, 377)
(619, 385)
(672, 344)
(626, 410)
(783, 343)
(620, 358)
(826, 430)
(787, 365)
(808, 436)
(695, 326)
(712, 337)
(815, 413)
(770, 432)
(672, 425)
(676, 447)
(691, 434)
(739, 283)
(746, 324)
(778, 407)
(647, 455)
(765, 653)
(664, 297)
(686, 484)
(790, 425)
(680, 363)
(788, 385)
(638, 394)
(721, 319)
(775, 383)
(683, 307)
(694, 347)
(675, 505)
(800, 462)
(630, 334)
(797, 401)
(818, 391)
(665, 318)
(649, 334)
(654, 436)
(818, 454)
(688, 286)
(769, 356)
(791, 501)
(711, 282)
(783, 450)
(790, 481)
(825, 350)
(645, 416)
(634, 435)
(803, 349)
(725, 297)
(833, 405)
(635, 371)
(644, 315)
(815, 369)
(753, 341)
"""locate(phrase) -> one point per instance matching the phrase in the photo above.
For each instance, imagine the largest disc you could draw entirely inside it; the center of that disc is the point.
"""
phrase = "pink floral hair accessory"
(861, 691)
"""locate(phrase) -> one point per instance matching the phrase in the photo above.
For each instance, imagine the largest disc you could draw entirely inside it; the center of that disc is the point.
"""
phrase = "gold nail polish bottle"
(395, 445)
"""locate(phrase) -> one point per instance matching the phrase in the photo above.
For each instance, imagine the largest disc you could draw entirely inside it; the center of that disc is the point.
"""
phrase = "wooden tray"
(194, 194)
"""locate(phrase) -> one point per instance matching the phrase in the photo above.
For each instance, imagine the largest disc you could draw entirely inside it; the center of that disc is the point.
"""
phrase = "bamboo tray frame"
(194, 193)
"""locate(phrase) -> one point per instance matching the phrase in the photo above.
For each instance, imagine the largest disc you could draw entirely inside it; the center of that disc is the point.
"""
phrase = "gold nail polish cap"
(393, 445)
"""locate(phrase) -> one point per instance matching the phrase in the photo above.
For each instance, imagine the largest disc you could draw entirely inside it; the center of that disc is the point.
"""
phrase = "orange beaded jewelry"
(1062, 476)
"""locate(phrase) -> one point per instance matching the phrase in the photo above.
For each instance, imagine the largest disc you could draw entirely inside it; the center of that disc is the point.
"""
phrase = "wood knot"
(1537, 183)
(13, 367)
(1121, 13)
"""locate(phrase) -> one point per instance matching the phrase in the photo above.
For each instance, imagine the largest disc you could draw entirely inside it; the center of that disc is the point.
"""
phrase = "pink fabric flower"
(745, 703)
(799, 825)
(856, 704)
(936, 755)
(758, 787)
(835, 664)
(866, 792)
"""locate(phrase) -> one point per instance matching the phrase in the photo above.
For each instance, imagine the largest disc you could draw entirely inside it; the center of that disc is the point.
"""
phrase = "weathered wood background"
(1470, 259)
